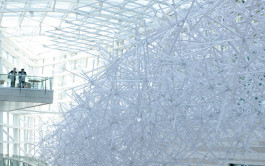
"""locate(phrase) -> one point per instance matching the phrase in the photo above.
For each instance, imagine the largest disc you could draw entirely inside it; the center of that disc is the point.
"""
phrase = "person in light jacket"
(22, 76)
(12, 76)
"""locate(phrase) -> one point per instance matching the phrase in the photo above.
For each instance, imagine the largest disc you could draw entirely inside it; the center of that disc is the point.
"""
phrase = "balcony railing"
(33, 82)
(14, 160)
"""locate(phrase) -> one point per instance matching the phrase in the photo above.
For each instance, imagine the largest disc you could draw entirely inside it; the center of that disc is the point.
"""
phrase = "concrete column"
(30, 135)
(8, 133)
(1, 113)
(16, 134)
(26, 125)
(1, 133)
(1, 65)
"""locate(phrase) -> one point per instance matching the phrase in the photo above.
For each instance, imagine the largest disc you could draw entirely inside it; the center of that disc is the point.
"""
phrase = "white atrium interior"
(132, 82)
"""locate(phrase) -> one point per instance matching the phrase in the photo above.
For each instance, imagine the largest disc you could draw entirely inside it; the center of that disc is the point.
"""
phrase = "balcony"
(6, 160)
(36, 91)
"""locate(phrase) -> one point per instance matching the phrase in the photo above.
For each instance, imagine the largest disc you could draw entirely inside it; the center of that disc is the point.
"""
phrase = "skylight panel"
(12, 14)
(116, 1)
(53, 22)
(27, 21)
(63, 5)
(72, 16)
(101, 18)
(16, 5)
(56, 15)
(9, 21)
(87, 7)
(142, 2)
(38, 5)
(107, 12)
(113, 21)
(26, 30)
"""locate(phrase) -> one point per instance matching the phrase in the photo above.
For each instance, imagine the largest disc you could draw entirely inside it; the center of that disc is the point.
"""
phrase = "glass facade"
(21, 129)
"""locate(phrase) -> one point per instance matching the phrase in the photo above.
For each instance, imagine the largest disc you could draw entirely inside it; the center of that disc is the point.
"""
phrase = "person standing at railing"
(12, 76)
(22, 76)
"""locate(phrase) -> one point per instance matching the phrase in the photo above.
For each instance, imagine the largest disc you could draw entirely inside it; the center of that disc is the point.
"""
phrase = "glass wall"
(47, 71)
(18, 131)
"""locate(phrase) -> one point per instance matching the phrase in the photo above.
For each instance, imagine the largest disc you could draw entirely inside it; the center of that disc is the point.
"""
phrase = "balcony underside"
(13, 106)
(12, 99)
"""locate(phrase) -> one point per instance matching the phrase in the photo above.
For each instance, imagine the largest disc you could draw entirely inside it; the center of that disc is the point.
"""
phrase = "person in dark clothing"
(22, 76)
(12, 76)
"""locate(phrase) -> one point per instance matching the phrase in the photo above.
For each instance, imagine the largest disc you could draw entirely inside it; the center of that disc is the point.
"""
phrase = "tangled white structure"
(190, 92)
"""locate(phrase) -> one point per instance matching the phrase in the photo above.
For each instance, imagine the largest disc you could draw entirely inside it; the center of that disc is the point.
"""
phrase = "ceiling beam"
(20, 10)
(22, 16)
(3, 5)
(75, 4)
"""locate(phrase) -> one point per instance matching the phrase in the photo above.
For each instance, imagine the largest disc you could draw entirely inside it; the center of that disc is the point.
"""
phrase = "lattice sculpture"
(192, 92)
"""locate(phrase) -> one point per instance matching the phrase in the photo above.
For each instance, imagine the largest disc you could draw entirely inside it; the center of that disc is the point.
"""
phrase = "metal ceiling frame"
(118, 19)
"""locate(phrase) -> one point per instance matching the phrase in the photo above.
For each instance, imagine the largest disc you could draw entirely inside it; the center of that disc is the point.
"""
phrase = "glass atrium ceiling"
(79, 25)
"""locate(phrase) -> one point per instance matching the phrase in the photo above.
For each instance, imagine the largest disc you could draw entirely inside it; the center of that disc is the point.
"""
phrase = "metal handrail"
(33, 82)
(30, 161)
